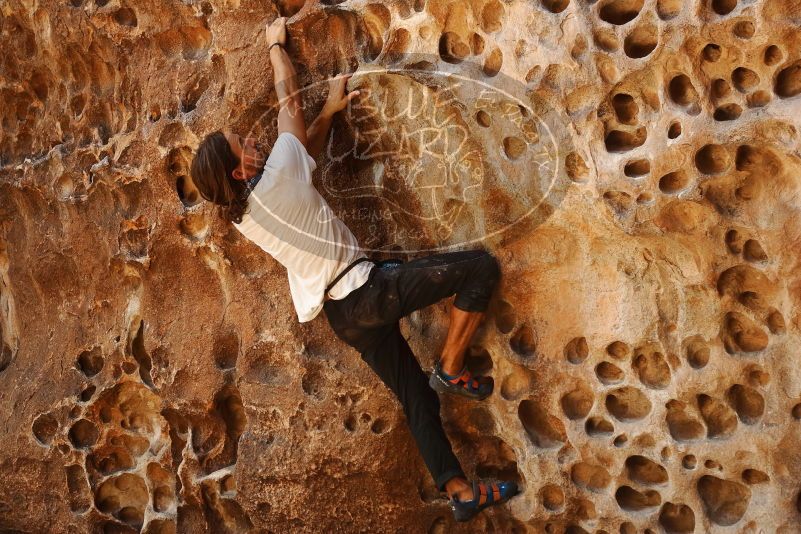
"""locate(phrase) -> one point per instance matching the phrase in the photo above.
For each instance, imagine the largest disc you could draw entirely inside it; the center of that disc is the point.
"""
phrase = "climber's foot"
(484, 494)
(463, 383)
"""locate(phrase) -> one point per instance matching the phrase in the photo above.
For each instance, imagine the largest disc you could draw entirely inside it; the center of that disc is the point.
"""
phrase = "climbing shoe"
(484, 494)
(461, 384)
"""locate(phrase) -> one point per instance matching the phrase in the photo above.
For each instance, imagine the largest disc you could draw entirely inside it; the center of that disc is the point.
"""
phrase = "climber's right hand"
(276, 32)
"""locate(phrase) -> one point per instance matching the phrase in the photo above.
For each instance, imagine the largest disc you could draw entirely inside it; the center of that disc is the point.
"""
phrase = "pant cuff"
(446, 476)
(469, 305)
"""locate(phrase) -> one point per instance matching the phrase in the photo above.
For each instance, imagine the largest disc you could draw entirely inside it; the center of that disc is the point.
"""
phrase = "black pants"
(368, 320)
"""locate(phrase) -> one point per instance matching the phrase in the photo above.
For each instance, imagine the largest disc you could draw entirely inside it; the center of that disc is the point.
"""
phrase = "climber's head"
(221, 167)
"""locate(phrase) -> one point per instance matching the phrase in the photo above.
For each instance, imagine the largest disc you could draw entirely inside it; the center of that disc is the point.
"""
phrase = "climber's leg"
(393, 361)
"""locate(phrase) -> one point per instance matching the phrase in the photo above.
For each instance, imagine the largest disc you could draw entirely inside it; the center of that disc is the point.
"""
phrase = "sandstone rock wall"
(634, 164)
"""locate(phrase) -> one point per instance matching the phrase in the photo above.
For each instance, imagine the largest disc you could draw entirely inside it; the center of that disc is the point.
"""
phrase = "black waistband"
(344, 272)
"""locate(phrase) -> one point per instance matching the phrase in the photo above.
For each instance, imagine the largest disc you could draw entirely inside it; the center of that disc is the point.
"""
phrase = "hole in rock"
(753, 251)
(478, 360)
(641, 41)
(618, 350)
(747, 402)
(576, 350)
(553, 498)
(711, 52)
(476, 44)
(723, 7)
(674, 182)
(668, 9)
(83, 434)
(625, 108)
(523, 342)
(720, 88)
(493, 63)
(681, 90)
(755, 476)
(137, 349)
(513, 147)
(125, 16)
(712, 159)
(505, 317)
(555, 6)
(110, 460)
(577, 403)
(773, 55)
(192, 93)
(623, 141)
(628, 404)
(788, 81)
(758, 99)
(609, 373)
(720, 419)
(589, 476)
(544, 430)
(226, 350)
(483, 118)
(727, 112)
(576, 168)
(637, 168)
(632, 500)
(379, 426)
(516, 385)
(86, 394)
(652, 369)
(744, 79)
(90, 362)
(776, 322)
(125, 497)
(740, 334)
(77, 487)
(452, 49)
(44, 428)
(645, 471)
(725, 501)
(492, 16)
(677, 518)
(674, 130)
(744, 29)
(598, 426)
(697, 354)
(620, 12)
(606, 40)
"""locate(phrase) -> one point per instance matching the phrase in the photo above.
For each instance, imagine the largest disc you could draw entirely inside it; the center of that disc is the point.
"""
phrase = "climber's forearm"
(318, 132)
(285, 78)
(290, 112)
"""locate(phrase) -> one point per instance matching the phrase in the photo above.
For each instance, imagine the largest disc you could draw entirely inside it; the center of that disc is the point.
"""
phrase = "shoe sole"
(440, 386)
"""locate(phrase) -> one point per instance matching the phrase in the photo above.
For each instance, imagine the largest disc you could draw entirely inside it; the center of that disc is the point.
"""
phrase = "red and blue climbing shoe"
(484, 494)
(461, 384)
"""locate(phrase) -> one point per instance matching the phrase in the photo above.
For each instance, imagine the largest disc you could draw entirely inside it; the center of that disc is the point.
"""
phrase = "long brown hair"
(213, 174)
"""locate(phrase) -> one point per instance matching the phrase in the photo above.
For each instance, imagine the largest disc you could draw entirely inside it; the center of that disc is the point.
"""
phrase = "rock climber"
(273, 203)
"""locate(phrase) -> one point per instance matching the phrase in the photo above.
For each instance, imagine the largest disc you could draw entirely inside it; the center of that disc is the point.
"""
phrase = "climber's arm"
(336, 101)
(290, 112)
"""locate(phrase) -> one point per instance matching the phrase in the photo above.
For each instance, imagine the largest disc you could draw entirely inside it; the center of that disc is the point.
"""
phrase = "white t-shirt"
(292, 222)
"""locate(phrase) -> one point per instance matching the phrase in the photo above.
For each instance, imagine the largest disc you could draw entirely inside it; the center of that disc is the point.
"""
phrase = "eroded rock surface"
(633, 164)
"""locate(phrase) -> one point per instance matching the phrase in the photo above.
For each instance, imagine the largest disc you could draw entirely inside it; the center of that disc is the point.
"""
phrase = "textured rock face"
(644, 339)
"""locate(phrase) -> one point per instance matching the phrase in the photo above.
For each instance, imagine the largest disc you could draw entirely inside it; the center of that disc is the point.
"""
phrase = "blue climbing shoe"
(484, 494)
(463, 383)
